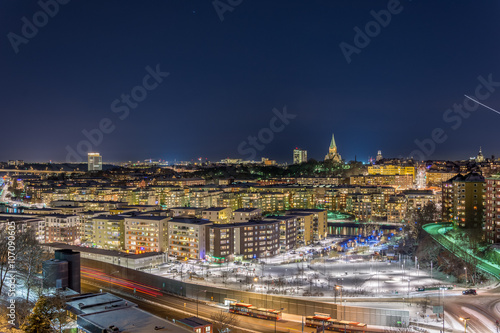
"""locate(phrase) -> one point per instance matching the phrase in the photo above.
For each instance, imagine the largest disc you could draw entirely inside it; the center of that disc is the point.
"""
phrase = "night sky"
(226, 76)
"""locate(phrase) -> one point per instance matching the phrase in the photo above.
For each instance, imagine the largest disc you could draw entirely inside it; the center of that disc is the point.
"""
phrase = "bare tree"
(357, 283)
(30, 260)
(223, 321)
(424, 305)
(13, 241)
(61, 317)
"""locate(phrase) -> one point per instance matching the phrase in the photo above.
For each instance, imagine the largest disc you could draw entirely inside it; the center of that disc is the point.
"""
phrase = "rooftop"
(214, 209)
(190, 220)
(128, 319)
(194, 322)
(101, 251)
(92, 303)
(246, 210)
(149, 218)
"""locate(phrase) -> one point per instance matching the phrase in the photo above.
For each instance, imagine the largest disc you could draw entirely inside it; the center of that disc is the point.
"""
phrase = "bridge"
(17, 171)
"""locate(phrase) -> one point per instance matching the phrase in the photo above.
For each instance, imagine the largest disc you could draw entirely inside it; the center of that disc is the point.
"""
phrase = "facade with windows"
(188, 237)
(62, 228)
(492, 210)
(146, 234)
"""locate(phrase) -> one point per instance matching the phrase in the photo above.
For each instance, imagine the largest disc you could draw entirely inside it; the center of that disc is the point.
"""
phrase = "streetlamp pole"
(443, 308)
(197, 301)
(465, 269)
(465, 323)
(409, 301)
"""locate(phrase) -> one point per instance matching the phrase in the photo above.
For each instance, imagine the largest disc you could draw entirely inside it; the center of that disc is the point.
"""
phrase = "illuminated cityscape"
(217, 167)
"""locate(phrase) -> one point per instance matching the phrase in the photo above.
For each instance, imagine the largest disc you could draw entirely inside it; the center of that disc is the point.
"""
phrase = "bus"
(335, 325)
(253, 311)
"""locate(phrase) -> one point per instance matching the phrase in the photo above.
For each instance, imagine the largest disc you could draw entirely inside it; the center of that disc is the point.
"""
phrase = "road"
(434, 230)
(176, 308)
(483, 309)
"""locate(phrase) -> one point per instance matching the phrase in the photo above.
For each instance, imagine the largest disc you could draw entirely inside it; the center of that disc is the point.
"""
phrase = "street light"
(337, 287)
(409, 301)
(465, 323)
(197, 302)
(465, 269)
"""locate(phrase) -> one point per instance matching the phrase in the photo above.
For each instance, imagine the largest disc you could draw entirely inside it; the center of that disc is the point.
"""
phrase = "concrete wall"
(291, 305)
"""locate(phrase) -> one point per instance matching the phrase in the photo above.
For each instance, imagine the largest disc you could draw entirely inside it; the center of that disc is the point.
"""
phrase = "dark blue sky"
(227, 76)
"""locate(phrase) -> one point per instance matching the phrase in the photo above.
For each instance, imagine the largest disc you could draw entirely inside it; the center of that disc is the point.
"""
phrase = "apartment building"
(310, 225)
(221, 243)
(390, 170)
(187, 211)
(108, 232)
(146, 234)
(360, 205)
(396, 208)
(218, 215)
(468, 200)
(256, 239)
(492, 210)
(245, 215)
(288, 226)
(62, 228)
(417, 199)
(188, 237)
(436, 178)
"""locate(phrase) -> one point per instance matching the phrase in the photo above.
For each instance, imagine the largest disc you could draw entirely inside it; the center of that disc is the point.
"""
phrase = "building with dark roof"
(197, 325)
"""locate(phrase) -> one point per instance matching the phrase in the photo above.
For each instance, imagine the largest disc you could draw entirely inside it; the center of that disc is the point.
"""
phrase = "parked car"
(469, 292)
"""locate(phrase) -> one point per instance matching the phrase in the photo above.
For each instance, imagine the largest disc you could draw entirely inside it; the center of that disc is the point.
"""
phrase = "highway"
(177, 308)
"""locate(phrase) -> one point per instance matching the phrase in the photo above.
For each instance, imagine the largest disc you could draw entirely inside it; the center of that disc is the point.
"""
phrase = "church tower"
(480, 157)
(332, 152)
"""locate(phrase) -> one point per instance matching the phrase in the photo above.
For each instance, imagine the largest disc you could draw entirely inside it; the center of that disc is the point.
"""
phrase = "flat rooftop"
(149, 218)
(130, 320)
(98, 312)
(214, 209)
(92, 303)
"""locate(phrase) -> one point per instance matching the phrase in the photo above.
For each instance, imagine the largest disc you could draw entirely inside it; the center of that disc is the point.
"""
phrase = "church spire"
(332, 144)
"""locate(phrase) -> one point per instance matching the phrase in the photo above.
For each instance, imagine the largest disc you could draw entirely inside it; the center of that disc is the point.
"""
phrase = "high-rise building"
(333, 155)
(379, 156)
(94, 161)
(462, 200)
(299, 156)
(492, 209)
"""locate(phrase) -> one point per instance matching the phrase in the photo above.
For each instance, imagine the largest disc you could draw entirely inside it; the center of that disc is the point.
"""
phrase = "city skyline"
(204, 81)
